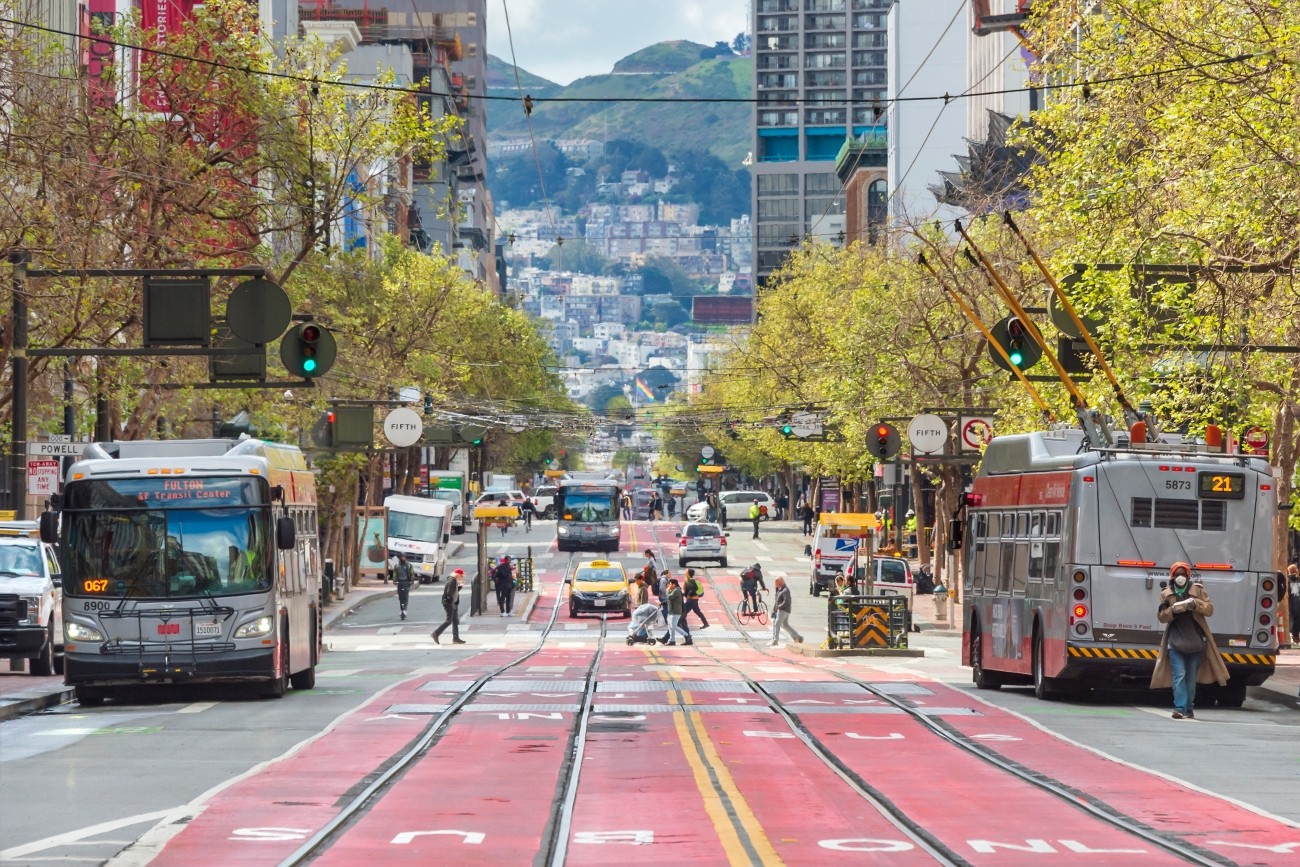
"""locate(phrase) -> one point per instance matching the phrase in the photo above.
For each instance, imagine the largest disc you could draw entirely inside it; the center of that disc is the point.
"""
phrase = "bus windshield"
(417, 528)
(588, 507)
(166, 538)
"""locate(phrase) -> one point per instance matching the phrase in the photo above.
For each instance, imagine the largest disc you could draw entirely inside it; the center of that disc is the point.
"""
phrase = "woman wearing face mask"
(1188, 654)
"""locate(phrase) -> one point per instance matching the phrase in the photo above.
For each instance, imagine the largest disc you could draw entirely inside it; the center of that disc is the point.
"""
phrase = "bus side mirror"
(285, 533)
(954, 535)
(50, 527)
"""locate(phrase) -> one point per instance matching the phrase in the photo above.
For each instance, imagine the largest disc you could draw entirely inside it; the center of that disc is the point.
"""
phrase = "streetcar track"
(1083, 801)
(361, 804)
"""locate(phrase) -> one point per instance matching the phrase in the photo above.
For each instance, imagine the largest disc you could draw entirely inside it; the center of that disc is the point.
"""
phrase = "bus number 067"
(1178, 484)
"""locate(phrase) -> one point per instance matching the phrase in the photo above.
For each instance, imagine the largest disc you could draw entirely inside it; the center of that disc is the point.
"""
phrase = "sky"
(562, 40)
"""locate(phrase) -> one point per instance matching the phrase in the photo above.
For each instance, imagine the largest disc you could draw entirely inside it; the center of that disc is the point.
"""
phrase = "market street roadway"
(204, 775)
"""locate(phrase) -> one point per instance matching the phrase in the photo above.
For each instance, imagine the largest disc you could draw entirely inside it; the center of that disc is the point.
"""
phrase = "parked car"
(701, 541)
(697, 511)
(600, 587)
(893, 575)
(31, 595)
(513, 498)
(737, 503)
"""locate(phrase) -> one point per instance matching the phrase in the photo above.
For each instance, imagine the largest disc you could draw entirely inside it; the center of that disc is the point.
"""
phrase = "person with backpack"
(693, 592)
(402, 577)
(673, 604)
(451, 608)
(751, 581)
(503, 579)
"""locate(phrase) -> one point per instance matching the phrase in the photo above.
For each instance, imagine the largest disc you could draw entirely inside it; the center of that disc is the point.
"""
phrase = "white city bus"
(1067, 548)
(189, 561)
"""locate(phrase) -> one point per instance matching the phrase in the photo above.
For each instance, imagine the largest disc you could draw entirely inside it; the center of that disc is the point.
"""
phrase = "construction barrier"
(867, 621)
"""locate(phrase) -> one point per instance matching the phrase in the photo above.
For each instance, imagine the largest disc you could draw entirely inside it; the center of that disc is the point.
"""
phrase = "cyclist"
(751, 581)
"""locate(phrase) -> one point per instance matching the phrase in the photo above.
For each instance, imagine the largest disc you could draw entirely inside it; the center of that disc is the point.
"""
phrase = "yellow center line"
(725, 805)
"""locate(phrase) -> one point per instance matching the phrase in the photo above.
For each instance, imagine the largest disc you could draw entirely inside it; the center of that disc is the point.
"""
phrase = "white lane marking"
(198, 707)
(70, 837)
(1105, 755)
(760, 545)
(337, 672)
(172, 822)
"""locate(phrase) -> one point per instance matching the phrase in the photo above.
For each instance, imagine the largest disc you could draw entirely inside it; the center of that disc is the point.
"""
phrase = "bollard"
(327, 584)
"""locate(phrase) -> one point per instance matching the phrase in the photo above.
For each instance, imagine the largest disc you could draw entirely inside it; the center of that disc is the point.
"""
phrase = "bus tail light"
(1267, 637)
(1080, 602)
(1265, 620)
(1080, 612)
(1266, 602)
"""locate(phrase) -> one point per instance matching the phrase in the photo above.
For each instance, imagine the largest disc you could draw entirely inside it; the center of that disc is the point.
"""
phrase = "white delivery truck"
(449, 486)
(420, 528)
(31, 610)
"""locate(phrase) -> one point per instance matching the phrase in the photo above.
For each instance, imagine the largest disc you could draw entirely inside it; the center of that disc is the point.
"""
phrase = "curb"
(32, 704)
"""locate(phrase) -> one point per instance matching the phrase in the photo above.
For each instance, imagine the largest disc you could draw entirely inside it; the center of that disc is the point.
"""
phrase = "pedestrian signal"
(883, 441)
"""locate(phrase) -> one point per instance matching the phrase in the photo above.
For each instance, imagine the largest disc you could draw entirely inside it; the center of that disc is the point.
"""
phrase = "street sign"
(42, 477)
(806, 424)
(707, 452)
(1254, 441)
(975, 432)
(403, 426)
(55, 449)
(927, 433)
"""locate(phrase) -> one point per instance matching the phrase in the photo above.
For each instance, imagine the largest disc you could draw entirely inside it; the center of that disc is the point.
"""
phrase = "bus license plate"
(600, 603)
(207, 630)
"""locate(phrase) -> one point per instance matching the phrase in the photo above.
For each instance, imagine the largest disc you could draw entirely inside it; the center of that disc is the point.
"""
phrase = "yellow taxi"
(600, 587)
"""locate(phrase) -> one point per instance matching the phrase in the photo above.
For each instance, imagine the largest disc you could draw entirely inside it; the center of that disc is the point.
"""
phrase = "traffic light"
(548, 460)
(787, 430)
(308, 350)
(883, 441)
(1013, 336)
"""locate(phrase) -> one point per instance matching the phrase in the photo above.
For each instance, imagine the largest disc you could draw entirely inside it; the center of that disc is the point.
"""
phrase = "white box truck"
(449, 486)
(420, 528)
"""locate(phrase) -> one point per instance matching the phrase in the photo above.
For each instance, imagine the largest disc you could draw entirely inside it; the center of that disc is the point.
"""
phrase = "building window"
(825, 40)
(778, 79)
(821, 182)
(824, 5)
(782, 234)
(780, 149)
(823, 79)
(776, 185)
(823, 22)
(824, 117)
(778, 118)
(816, 209)
(771, 210)
(830, 60)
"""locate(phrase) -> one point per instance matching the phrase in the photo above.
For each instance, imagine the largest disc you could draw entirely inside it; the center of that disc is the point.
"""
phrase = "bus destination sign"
(1215, 485)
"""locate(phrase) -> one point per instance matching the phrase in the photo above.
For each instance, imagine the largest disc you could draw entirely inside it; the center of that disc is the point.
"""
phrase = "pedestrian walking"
(781, 614)
(627, 506)
(503, 502)
(693, 592)
(782, 505)
(721, 509)
(503, 579)
(674, 605)
(642, 590)
(1188, 654)
(656, 507)
(1293, 601)
(755, 515)
(402, 577)
(806, 515)
(451, 608)
(711, 506)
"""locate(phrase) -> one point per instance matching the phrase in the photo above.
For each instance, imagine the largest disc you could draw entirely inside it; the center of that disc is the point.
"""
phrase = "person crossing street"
(402, 577)
(693, 592)
(781, 614)
(451, 608)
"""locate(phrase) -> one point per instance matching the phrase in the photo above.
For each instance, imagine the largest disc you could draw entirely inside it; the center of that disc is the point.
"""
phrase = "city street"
(728, 751)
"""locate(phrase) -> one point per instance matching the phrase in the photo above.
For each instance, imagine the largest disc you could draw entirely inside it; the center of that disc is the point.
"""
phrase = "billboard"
(722, 309)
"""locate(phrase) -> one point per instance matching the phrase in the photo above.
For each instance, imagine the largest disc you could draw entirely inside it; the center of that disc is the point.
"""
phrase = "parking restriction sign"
(42, 477)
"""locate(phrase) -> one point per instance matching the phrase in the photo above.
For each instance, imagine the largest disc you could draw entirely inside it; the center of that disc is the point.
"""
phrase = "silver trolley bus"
(1067, 548)
(188, 561)
(587, 516)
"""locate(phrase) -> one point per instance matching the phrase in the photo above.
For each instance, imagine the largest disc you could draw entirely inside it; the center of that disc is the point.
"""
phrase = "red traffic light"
(882, 431)
(310, 333)
(1015, 327)
(329, 416)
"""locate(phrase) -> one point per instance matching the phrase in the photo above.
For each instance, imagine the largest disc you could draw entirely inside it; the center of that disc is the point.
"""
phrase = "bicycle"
(745, 615)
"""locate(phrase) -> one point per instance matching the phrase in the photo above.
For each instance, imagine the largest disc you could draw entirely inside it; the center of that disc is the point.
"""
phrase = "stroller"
(638, 631)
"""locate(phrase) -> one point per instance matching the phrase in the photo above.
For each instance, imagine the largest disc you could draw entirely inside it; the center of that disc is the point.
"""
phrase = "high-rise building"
(820, 74)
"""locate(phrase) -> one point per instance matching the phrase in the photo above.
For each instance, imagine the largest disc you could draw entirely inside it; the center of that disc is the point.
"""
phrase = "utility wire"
(739, 100)
(527, 103)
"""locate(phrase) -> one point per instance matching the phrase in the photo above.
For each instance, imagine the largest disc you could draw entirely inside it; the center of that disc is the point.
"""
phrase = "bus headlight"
(256, 629)
(33, 617)
(73, 631)
(562, 531)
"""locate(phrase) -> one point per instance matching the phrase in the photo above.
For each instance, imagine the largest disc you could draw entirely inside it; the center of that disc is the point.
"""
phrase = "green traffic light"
(309, 365)
(1017, 357)
(787, 430)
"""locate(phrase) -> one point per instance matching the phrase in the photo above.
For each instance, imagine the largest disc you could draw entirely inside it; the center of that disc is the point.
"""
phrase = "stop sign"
(1254, 441)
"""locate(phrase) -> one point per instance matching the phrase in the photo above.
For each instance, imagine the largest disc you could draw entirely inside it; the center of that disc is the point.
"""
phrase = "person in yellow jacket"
(755, 515)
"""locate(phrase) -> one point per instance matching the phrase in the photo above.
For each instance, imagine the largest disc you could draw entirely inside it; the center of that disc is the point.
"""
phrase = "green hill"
(671, 69)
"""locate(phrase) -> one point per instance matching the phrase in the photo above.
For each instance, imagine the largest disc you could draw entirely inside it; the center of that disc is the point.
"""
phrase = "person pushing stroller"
(643, 618)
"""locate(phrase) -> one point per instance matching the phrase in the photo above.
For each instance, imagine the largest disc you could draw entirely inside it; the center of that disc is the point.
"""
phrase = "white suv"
(31, 599)
(737, 503)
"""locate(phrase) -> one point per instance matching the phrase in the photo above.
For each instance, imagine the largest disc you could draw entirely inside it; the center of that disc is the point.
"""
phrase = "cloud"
(567, 39)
